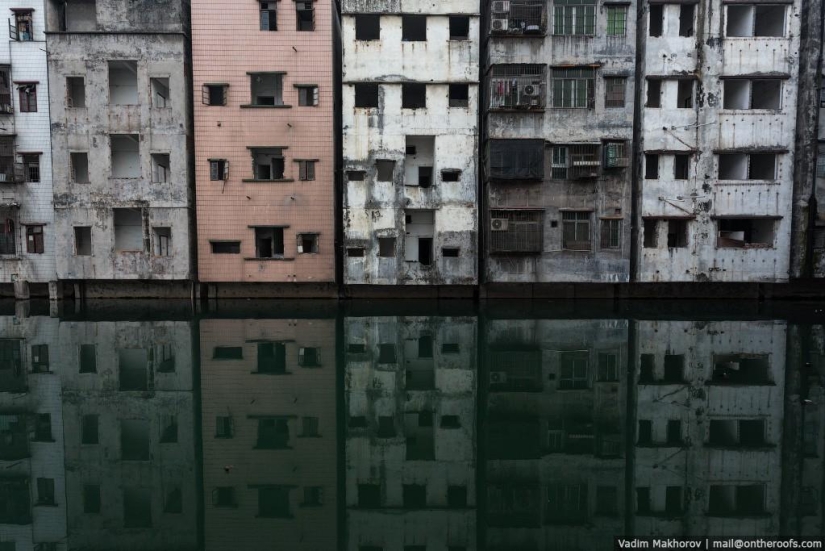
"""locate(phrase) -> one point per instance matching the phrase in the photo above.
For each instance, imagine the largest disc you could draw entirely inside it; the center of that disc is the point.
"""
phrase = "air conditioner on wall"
(500, 24)
(499, 224)
(531, 90)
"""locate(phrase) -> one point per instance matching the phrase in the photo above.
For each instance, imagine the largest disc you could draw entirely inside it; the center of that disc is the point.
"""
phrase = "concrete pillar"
(21, 290)
(55, 291)
(22, 309)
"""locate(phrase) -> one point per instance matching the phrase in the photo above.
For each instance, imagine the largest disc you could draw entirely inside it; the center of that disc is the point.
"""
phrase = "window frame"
(574, 17)
(28, 101)
(34, 239)
(577, 219)
(616, 26)
(566, 84)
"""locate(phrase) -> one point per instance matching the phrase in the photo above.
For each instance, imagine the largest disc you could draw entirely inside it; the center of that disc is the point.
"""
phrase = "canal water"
(407, 426)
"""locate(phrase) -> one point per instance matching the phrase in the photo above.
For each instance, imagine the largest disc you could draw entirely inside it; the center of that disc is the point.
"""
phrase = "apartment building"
(27, 231)
(718, 109)
(555, 433)
(120, 104)
(410, 141)
(817, 252)
(265, 157)
(410, 459)
(270, 440)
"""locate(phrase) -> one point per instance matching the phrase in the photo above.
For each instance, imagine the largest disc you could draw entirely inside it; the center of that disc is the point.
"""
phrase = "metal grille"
(614, 92)
(517, 231)
(31, 165)
(576, 231)
(611, 234)
(616, 20)
(571, 162)
(518, 17)
(615, 155)
(573, 88)
(517, 87)
(574, 17)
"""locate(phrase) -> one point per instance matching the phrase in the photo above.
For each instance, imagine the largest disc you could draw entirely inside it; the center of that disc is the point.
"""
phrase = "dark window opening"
(173, 502)
(267, 89)
(413, 96)
(356, 175)
(385, 170)
(644, 434)
(516, 159)
(414, 496)
(79, 167)
(386, 427)
(413, 28)
(459, 27)
(746, 233)
(459, 95)
(305, 15)
(674, 368)
(227, 353)
(425, 176)
(651, 166)
(226, 247)
(366, 95)
(307, 243)
(647, 367)
(355, 252)
(34, 240)
(607, 501)
(75, 92)
(224, 497)
(386, 354)
(677, 233)
(746, 369)
(450, 175)
(43, 427)
(134, 440)
(656, 19)
(309, 357)
(269, 16)
(684, 95)
(91, 499)
(654, 93)
(673, 500)
(386, 247)
(269, 242)
(169, 430)
(681, 167)
(367, 27)
(456, 496)
(674, 432)
(214, 94)
(425, 250)
(686, 19)
(450, 348)
(224, 427)
(45, 491)
(273, 434)
(89, 429)
(450, 252)
(369, 495)
(731, 500)
(450, 422)
(88, 358)
(272, 358)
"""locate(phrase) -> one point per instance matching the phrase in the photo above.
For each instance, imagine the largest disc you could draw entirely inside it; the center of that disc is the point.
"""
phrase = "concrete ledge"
(230, 291)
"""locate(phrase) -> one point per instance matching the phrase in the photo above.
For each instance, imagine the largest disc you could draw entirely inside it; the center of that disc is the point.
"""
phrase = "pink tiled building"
(265, 140)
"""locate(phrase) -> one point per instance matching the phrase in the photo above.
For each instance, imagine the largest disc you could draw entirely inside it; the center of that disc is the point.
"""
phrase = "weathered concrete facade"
(558, 110)
(718, 111)
(121, 114)
(410, 139)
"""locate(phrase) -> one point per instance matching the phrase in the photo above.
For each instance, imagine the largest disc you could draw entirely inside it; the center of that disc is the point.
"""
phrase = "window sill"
(540, 34)
(256, 181)
(252, 106)
(255, 259)
(10, 258)
(516, 110)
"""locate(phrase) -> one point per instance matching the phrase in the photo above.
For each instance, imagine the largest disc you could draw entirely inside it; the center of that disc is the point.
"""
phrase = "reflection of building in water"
(32, 483)
(555, 433)
(269, 434)
(410, 436)
(709, 414)
(131, 478)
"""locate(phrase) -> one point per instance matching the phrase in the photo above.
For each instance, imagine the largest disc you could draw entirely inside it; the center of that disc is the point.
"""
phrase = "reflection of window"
(23, 30)
(608, 367)
(573, 372)
(224, 427)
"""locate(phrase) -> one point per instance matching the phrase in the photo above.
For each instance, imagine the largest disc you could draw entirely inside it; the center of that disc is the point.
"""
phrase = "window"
(366, 95)
(730, 500)
(418, 243)
(306, 170)
(752, 94)
(684, 94)
(755, 20)
(128, 230)
(307, 243)
(686, 12)
(414, 496)
(614, 90)
(224, 496)
(269, 242)
(651, 166)
(223, 427)
(367, 27)
(616, 20)
(385, 170)
(165, 358)
(644, 434)
(23, 30)
(91, 499)
(305, 15)
(616, 155)
(737, 433)
(160, 92)
(459, 27)
(681, 166)
(83, 240)
(647, 366)
(573, 370)
(674, 432)
(80, 167)
(369, 495)
(574, 17)
(450, 252)
(450, 175)
(31, 167)
(227, 353)
(309, 357)
(674, 368)
(5, 89)
(160, 168)
(273, 434)
(386, 354)
(309, 427)
(743, 166)
(517, 231)
(307, 95)
(88, 358)
(225, 247)
(450, 422)
(746, 233)
(43, 427)
(518, 17)
(607, 501)
(611, 233)
(34, 239)
(123, 83)
(40, 358)
(608, 367)
(75, 92)
(573, 88)
(45, 491)
(28, 98)
(125, 155)
(450, 348)
(267, 89)
(413, 28)
(386, 427)
(162, 241)
(268, 164)
(413, 96)
(137, 508)
(218, 169)
(356, 175)
(214, 94)
(575, 162)
(517, 87)
(576, 231)
(355, 252)
(656, 17)
(654, 93)
(133, 369)
(269, 16)
(386, 247)
(313, 496)
(516, 159)
(459, 95)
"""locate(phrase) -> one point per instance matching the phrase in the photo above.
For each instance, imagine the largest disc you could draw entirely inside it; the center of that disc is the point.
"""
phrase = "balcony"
(11, 172)
(518, 18)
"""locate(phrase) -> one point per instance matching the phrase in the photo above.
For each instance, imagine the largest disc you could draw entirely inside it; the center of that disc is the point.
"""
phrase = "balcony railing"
(522, 17)
(11, 172)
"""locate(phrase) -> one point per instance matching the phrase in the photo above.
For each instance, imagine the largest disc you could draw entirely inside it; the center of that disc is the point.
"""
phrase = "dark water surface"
(399, 426)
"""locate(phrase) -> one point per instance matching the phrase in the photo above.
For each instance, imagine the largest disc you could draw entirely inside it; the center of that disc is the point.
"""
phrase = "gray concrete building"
(120, 98)
(558, 111)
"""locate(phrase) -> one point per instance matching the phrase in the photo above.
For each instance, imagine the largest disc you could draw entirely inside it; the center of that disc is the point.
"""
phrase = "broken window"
(366, 95)
(413, 28)
(224, 427)
(616, 20)
(459, 27)
(163, 241)
(755, 20)
(307, 243)
(356, 175)
(746, 233)
(83, 240)
(307, 95)
(267, 89)
(137, 508)
(268, 163)
(419, 161)
(91, 499)
(306, 170)
(614, 92)
(459, 95)
(684, 94)
(218, 169)
(385, 170)
(736, 500)
(273, 434)
(23, 29)
(75, 92)
(269, 242)
(123, 87)
(225, 247)
(647, 364)
(574, 17)
(34, 239)
(214, 94)
(518, 16)
(677, 233)
(573, 88)
(418, 245)
(160, 92)
(413, 96)
(644, 434)
(269, 16)
(89, 429)
(517, 87)
(128, 230)
(517, 231)
(28, 98)
(681, 166)
(576, 231)
(450, 175)
(654, 93)
(169, 429)
(31, 167)
(744, 166)
(305, 15)
(611, 233)
(160, 168)
(88, 358)
(516, 159)
(737, 432)
(386, 427)
(125, 155)
(133, 369)
(655, 19)
(134, 440)
(752, 94)
(80, 167)
(651, 166)
(686, 17)
(367, 27)
(224, 496)
(575, 162)
(386, 247)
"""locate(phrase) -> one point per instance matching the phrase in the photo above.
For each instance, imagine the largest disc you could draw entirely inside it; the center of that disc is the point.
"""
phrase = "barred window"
(576, 231)
(571, 162)
(517, 87)
(517, 231)
(614, 92)
(611, 233)
(31, 168)
(574, 17)
(573, 88)
(616, 20)
(518, 17)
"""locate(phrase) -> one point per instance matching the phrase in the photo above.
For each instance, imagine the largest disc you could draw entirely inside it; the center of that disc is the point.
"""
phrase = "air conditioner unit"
(532, 90)
(499, 224)
(501, 6)
(501, 25)
(498, 377)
